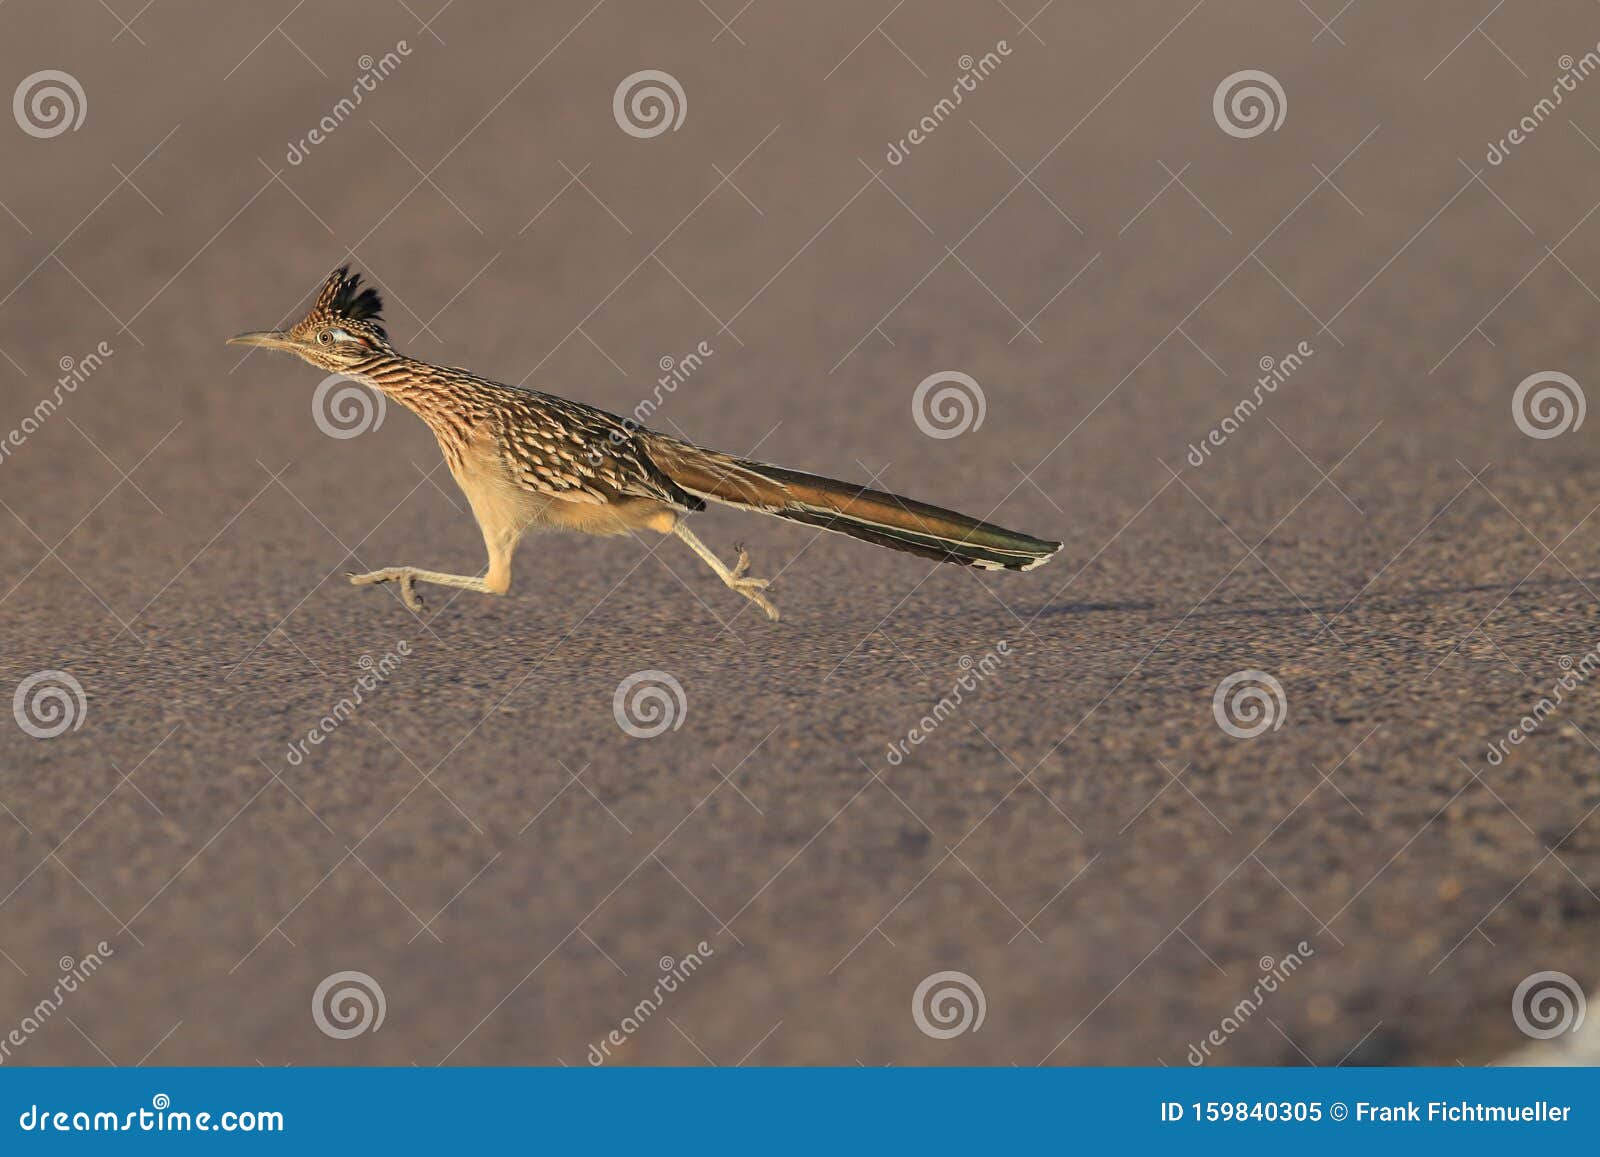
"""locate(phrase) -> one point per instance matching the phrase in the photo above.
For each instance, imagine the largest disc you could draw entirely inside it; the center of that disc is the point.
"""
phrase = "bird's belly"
(504, 510)
(620, 516)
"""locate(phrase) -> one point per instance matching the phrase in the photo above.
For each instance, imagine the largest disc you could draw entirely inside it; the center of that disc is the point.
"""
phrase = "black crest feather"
(343, 298)
(350, 301)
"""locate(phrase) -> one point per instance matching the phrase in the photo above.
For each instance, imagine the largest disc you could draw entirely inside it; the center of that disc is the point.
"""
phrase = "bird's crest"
(342, 299)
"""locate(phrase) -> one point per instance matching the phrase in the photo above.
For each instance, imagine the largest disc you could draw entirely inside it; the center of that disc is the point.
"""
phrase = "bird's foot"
(750, 588)
(754, 589)
(402, 575)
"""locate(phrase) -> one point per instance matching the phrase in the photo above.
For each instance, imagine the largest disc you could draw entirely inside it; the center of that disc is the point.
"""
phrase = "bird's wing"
(578, 453)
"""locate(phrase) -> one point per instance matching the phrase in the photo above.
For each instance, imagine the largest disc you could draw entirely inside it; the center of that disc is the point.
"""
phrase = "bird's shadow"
(1326, 607)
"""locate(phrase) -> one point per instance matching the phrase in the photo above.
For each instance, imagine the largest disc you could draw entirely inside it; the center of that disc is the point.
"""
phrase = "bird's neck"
(449, 400)
(419, 386)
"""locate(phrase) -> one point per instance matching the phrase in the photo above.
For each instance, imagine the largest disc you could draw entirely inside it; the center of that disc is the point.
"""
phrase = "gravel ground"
(1404, 572)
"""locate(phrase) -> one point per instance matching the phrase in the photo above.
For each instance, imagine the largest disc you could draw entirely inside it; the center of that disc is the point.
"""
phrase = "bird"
(528, 460)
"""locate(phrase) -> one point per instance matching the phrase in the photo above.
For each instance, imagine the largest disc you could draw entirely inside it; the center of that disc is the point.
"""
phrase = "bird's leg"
(735, 578)
(407, 576)
(496, 579)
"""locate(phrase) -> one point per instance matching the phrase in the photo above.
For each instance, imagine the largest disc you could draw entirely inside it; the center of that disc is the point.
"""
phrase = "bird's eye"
(325, 337)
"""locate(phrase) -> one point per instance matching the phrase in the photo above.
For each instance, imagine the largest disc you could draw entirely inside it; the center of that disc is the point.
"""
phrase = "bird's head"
(343, 328)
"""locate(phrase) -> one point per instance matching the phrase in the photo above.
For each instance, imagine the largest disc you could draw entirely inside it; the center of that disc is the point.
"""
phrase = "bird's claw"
(408, 589)
(408, 593)
(739, 580)
(752, 588)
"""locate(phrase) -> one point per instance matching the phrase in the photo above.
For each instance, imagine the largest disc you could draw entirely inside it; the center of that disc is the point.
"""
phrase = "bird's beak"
(266, 339)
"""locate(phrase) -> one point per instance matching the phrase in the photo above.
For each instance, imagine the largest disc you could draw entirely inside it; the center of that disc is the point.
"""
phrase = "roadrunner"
(527, 460)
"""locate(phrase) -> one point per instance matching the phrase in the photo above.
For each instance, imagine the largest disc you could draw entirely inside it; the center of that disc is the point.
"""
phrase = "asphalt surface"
(1079, 836)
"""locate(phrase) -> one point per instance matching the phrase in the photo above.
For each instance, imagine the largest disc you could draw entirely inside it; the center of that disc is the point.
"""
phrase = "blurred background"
(934, 816)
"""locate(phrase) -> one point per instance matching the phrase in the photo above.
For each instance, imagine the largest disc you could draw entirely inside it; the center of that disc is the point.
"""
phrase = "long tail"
(870, 515)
